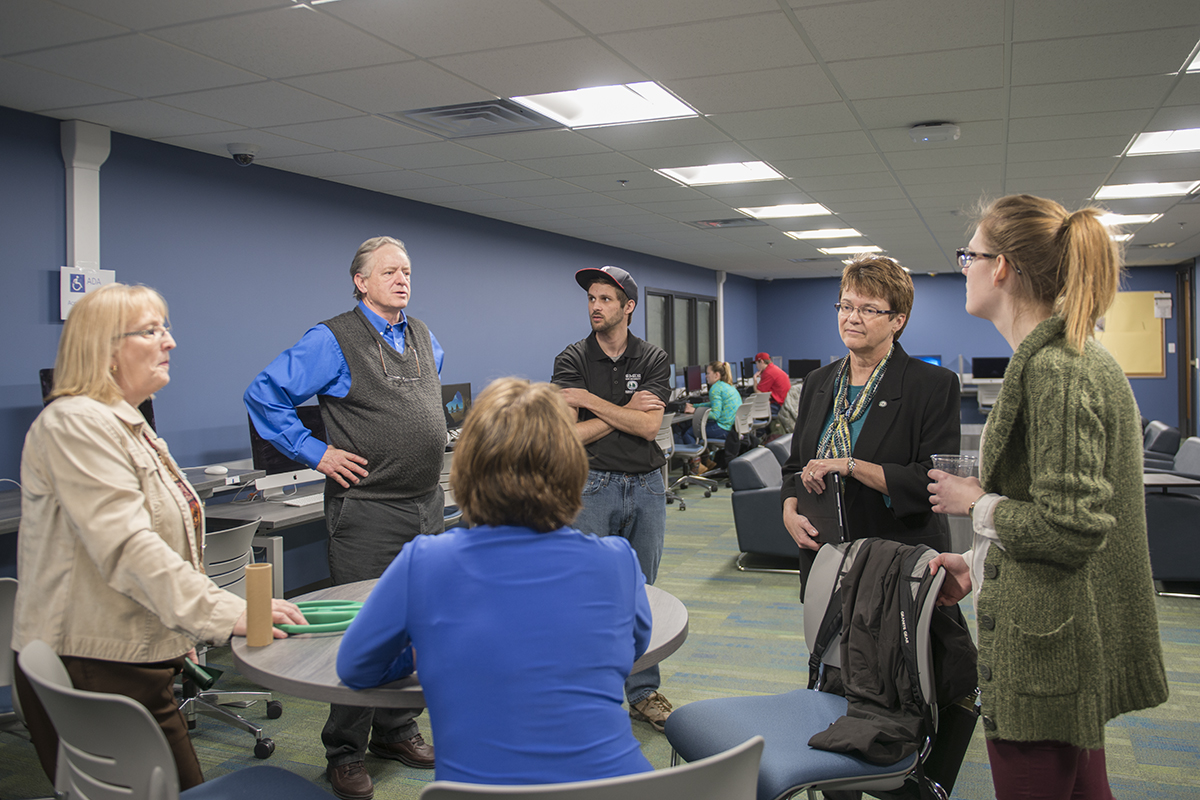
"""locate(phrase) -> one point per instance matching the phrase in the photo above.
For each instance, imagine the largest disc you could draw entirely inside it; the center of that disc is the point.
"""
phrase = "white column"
(84, 148)
(720, 315)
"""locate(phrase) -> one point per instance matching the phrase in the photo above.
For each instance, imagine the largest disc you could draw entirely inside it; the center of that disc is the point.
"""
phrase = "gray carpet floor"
(744, 638)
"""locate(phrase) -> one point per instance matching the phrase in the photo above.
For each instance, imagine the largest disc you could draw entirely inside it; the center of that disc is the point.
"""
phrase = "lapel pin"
(883, 403)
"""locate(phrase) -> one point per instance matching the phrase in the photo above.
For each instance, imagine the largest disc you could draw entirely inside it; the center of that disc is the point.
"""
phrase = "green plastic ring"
(325, 616)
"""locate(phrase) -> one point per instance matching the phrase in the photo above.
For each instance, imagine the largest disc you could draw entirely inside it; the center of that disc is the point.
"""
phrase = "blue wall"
(249, 258)
(796, 320)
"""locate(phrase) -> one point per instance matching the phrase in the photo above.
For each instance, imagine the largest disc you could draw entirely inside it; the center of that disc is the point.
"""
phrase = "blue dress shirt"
(313, 366)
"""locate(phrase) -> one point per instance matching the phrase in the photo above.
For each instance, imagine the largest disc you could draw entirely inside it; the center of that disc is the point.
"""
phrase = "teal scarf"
(835, 442)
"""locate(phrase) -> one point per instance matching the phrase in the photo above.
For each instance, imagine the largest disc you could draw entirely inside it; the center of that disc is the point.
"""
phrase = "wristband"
(850, 465)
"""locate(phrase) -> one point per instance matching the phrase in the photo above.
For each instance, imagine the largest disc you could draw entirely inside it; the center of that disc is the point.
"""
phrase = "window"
(684, 325)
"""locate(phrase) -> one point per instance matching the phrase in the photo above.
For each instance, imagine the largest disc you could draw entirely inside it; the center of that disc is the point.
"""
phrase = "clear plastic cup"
(962, 466)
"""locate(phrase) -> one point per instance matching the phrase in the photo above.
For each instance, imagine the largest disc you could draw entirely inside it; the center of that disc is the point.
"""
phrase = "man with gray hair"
(374, 371)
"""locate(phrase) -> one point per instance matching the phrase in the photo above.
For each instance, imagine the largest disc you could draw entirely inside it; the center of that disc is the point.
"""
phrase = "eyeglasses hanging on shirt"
(399, 378)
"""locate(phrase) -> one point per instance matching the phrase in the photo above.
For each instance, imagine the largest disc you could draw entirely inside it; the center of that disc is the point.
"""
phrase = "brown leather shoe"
(413, 752)
(351, 781)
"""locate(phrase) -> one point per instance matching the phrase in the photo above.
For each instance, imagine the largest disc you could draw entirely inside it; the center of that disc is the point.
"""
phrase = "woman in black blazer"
(875, 417)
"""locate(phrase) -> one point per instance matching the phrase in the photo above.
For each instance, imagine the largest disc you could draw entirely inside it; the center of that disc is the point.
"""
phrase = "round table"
(306, 665)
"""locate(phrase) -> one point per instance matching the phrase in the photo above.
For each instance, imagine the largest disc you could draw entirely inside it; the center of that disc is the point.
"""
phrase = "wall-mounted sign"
(75, 282)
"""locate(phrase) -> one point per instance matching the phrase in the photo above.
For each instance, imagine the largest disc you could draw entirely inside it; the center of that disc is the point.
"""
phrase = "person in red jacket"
(771, 379)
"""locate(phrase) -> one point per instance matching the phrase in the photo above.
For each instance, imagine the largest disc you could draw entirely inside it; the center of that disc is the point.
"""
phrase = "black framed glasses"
(866, 312)
(157, 333)
(399, 378)
(967, 257)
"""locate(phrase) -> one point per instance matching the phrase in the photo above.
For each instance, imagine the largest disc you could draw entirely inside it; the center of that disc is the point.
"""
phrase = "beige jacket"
(109, 563)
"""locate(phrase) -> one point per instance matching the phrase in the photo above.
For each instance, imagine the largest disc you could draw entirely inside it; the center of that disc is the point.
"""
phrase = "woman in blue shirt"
(525, 628)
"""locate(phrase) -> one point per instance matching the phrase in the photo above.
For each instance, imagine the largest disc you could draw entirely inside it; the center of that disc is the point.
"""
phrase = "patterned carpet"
(744, 638)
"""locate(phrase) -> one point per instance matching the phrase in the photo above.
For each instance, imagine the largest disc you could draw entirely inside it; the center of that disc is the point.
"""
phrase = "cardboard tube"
(258, 605)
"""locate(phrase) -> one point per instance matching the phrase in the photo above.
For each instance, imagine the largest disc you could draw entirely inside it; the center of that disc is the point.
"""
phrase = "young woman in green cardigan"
(1060, 570)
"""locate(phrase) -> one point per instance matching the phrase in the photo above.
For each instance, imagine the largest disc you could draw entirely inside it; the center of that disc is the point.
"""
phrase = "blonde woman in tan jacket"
(110, 548)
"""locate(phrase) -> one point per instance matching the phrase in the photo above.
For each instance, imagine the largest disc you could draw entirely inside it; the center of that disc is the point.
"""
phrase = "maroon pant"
(1047, 771)
(149, 684)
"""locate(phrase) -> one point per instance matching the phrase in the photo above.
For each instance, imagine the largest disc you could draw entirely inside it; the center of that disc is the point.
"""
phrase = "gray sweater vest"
(393, 414)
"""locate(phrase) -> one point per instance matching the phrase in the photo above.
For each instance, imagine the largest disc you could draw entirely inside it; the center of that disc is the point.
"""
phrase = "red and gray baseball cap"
(615, 275)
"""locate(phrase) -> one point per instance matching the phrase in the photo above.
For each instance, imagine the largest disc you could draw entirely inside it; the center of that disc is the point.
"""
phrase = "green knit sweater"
(1068, 633)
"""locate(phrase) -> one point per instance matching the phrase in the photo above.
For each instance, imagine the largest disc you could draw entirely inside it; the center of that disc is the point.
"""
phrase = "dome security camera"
(242, 152)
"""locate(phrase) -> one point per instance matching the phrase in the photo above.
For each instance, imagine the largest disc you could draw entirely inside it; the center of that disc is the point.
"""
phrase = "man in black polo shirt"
(618, 384)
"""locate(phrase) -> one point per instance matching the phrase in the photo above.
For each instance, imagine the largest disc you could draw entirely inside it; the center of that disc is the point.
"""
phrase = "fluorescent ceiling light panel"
(713, 174)
(1158, 143)
(1124, 191)
(781, 212)
(1195, 65)
(824, 233)
(1120, 237)
(1128, 219)
(850, 251)
(609, 105)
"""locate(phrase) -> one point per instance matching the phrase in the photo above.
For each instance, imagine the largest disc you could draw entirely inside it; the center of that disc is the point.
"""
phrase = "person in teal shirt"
(724, 400)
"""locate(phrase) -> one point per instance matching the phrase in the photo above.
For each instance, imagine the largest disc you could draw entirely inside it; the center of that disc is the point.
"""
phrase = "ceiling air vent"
(476, 119)
(739, 222)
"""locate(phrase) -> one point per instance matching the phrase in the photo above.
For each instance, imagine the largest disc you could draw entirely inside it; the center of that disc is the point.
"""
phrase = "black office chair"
(688, 452)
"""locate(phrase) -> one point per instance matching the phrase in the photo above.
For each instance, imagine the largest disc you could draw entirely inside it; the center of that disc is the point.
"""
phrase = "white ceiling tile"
(1067, 166)
(1113, 56)
(483, 174)
(1186, 92)
(432, 154)
(34, 24)
(801, 168)
(546, 191)
(647, 135)
(765, 41)
(905, 111)
(772, 123)
(819, 145)
(687, 209)
(984, 132)
(30, 89)
(440, 27)
(448, 194)
(863, 180)
(621, 15)
(833, 198)
(1174, 118)
(214, 143)
(491, 205)
(586, 165)
(759, 193)
(897, 27)
(1077, 126)
(533, 215)
(1078, 97)
(138, 65)
(145, 118)
(1036, 19)
(143, 15)
(752, 91)
(692, 155)
(322, 165)
(1151, 169)
(537, 144)
(280, 42)
(979, 173)
(538, 68)
(921, 73)
(1080, 148)
(640, 178)
(259, 105)
(585, 199)
(396, 181)
(948, 154)
(389, 88)
(354, 133)
(661, 194)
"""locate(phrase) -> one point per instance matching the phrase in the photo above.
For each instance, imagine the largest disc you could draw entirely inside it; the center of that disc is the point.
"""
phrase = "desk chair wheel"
(274, 709)
(263, 748)
(708, 493)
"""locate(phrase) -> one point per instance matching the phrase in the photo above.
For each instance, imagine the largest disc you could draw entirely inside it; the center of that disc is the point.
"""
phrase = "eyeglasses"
(866, 312)
(157, 333)
(967, 257)
(400, 378)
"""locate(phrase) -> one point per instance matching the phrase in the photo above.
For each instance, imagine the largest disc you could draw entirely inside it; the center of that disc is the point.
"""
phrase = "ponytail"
(722, 370)
(1090, 269)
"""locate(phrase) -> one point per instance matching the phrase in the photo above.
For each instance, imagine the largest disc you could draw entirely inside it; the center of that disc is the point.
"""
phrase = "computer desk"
(10, 511)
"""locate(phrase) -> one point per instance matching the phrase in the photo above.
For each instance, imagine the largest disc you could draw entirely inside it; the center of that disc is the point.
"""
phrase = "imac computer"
(935, 360)
(798, 368)
(748, 368)
(456, 400)
(281, 470)
(692, 377)
(47, 379)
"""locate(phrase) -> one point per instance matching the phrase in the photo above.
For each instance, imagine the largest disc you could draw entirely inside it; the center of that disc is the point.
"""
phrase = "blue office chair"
(787, 721)
(112, 749)
(688, 452)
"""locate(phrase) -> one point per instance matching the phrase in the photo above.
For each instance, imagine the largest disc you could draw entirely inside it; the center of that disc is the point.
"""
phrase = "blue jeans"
(715, 433)
(635, 507)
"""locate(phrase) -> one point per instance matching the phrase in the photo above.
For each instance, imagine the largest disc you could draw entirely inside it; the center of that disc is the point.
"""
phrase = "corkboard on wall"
(1135, 336)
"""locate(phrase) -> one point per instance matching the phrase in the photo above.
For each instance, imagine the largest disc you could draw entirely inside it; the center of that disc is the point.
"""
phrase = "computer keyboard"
(305, 499)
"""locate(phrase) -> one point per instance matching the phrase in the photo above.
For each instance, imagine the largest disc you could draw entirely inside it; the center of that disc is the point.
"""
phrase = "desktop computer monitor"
(456, 400)
(748, 368)
(281, 470)
(798, 368)
(935, 360)
(47, 379)
(692, 377)
(989, 367)
(671, 382)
